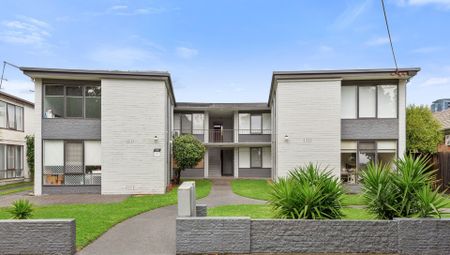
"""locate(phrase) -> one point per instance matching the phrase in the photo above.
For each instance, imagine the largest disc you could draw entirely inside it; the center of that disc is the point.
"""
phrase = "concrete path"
(154, 232)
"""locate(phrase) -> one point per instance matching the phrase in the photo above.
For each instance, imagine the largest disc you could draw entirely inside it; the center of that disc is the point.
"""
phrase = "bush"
(21, 209)
(307, 193)
(404, 192)
(188, 151)
(30, 154)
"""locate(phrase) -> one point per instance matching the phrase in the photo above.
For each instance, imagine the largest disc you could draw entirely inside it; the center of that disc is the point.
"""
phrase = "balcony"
(229, 135)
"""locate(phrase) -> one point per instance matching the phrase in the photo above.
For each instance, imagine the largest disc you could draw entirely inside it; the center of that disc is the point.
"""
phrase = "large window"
(11, 161)
(356, 155)
(255, 157)
(369, 101)
(189, 123)
(72, 162)
(72, 101)
(11, 116)
(254, 123)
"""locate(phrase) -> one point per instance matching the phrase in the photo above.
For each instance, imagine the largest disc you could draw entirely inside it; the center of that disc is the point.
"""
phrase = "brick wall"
(37, 236)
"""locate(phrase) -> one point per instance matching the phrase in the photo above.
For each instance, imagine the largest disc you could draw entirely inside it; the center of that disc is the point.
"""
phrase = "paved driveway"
(154, 232)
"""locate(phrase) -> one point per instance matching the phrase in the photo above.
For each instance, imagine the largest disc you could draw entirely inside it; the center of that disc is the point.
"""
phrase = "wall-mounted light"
(155, 139)
(286, 137)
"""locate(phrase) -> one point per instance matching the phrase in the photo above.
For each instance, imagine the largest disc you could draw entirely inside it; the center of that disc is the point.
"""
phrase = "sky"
(224, 50)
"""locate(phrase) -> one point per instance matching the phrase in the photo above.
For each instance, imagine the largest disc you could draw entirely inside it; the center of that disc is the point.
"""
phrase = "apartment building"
(110, 132)
(16, 122)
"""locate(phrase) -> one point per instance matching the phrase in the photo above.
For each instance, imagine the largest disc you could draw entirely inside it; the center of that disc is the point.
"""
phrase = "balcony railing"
(228, 135)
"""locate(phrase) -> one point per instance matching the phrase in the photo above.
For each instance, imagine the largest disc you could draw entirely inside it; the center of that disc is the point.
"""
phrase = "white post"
(186, 200)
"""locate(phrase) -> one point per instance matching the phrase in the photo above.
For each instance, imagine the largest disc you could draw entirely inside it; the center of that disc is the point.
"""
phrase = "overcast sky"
(223, 50)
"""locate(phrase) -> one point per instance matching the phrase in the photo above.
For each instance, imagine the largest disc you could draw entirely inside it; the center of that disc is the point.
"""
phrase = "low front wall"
(69, 189)
(243, 235)
(37, 236)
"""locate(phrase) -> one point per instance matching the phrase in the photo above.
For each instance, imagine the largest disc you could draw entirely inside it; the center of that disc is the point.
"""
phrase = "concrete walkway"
(154, 232)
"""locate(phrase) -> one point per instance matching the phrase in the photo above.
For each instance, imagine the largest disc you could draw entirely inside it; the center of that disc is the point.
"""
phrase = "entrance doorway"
(227, 162)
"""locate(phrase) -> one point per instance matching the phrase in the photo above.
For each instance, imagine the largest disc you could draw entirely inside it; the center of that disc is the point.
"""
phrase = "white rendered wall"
(309, 113)
(401, 118)
(133, 113)
(38, 137)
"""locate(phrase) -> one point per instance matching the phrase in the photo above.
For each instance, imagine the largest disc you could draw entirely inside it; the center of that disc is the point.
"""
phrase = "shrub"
(30, 154)
(307, 193)
(21, 209)
(188, 151)
(404, 192)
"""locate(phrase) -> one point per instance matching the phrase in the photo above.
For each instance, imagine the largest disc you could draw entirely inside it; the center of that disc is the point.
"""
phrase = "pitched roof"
(15, 98)
(444, 118)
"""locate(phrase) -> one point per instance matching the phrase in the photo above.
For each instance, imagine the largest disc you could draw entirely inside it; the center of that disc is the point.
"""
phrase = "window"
(348, 102)
(186, 123)
(93, 102)
(367, 101)
(11, 161)
(2, 114)
(244, 157)
(11, 116)
(189, 123)
(54, 102)
(387, 101)
(266, 157)
(72, 101)
(197, 123)
(256, 124)
(72, 162)
(256, 157)
(356, 155)
(19, 118)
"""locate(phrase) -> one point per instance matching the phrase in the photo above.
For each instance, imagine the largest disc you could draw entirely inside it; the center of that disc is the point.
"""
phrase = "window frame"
(375, 83)
(65, 85)
(250, 130)
(251, 158)
(7, 117)
(15, 169)
(64, 163)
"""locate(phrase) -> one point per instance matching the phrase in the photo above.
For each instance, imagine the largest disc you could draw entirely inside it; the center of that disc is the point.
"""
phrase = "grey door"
(227, 162)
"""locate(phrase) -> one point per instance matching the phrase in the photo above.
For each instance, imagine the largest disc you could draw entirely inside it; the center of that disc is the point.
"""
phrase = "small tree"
(30, 154)
(188, 151)
(423, 131)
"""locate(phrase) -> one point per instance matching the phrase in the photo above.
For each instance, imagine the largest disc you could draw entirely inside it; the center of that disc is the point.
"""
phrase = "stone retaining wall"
(243, 235)
(37, 236)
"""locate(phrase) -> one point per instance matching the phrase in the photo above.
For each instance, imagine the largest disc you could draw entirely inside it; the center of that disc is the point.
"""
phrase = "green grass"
(92, 220)
(353, 199)
(256, 189)
(15, 188)
(265, 212)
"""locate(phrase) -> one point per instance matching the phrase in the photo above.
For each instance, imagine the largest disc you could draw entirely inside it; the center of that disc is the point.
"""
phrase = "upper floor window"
(72, 101)
(254, 123)
(11, 116)
(369, 101)
(189, 123)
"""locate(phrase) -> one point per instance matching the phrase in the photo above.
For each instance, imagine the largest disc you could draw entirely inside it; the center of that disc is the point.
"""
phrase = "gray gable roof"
(444, 118)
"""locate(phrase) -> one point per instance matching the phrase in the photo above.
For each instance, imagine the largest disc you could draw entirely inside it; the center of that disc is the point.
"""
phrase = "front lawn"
(15, 188)
(264, 212)
(92, 220)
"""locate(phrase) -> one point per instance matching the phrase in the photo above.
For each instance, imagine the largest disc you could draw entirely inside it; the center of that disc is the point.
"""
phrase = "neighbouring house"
(444, 118)
(110, 132)
(440, 105)
(16, 122)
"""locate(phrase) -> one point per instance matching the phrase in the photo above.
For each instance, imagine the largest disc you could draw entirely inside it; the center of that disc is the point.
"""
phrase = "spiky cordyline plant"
(308, 192)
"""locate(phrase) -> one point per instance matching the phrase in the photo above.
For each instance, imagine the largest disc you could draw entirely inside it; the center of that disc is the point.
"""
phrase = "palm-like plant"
(21, 209)
(430, 202)
(307, 193)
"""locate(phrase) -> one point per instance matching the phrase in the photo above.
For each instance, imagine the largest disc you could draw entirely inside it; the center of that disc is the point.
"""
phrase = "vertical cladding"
(134, 136)
(37, 237)
(38, 137)
(308, 113)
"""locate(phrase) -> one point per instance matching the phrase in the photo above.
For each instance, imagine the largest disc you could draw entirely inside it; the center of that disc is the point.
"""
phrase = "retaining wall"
(243, 235)
(37, 236)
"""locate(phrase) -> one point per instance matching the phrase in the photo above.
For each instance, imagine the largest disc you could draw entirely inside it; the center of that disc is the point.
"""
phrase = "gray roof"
(15, 98)
(42, 72)
(362, 74)
(444, 118)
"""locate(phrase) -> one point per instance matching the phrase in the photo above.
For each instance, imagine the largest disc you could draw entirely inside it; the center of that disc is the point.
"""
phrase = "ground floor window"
(72, 162)
(255, 157)
(356, 155)
(11, 161)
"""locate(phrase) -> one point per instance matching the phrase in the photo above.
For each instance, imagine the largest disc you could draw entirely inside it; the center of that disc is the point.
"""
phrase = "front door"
(226, 157)
(217, 134)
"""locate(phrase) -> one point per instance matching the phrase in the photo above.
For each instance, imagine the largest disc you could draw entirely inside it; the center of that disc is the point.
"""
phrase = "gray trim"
(17, 99)
(410, 70)
(71, 189)
(255, 172)
(193, 173)
(254, 138)
(82, 129)
(356, 129)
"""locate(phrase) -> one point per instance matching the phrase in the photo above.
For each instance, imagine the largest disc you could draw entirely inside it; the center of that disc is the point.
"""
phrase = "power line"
(389, 34)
